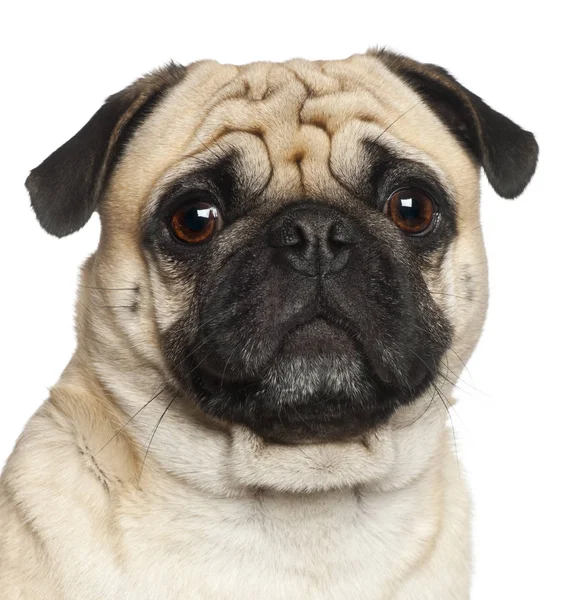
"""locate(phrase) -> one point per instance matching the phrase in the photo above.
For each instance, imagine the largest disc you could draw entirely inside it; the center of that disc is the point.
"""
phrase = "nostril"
(301, 236)
(336, 246)
(340, 235)
(287, 235)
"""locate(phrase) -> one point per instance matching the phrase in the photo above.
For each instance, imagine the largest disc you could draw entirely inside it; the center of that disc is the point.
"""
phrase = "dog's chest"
(330, 546)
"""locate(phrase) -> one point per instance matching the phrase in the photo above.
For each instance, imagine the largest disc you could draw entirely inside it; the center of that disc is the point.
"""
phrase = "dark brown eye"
(411, 209)
(195, 223)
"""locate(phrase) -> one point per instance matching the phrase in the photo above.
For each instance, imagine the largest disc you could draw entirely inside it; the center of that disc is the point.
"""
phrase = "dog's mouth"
(322, 384)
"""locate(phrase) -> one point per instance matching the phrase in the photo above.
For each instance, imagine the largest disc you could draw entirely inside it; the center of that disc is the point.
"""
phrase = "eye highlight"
(412, 210)
(195, 223)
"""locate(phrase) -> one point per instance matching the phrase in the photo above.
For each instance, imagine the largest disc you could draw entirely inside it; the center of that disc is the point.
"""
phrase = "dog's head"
(296, 246)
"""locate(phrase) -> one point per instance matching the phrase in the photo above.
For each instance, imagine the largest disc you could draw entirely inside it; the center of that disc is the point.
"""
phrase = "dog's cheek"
(114, 308)
(174, 297)
(159, 295)
(459, 289)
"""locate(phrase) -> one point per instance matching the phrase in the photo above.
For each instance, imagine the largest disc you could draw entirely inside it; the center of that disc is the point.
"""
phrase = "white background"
(517, 428)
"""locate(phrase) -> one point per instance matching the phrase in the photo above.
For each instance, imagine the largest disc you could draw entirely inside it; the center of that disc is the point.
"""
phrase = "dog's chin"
(319, 387)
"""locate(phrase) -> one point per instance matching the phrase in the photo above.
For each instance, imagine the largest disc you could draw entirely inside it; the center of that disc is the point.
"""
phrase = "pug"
(290, 278)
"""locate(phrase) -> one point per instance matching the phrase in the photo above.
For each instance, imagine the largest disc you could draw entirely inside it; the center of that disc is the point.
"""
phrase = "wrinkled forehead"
(299, 129)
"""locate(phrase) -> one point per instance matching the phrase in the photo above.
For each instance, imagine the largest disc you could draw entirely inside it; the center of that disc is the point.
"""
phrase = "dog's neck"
(376, 509)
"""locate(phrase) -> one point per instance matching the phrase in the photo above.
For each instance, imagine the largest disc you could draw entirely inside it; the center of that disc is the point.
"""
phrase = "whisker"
(455, 296)
(460, 379)
(453, 384)
(465, 367)
(399, 117)
(235, 348)
(219, 146)
(297, 413)
(448, 410)
(443, 400)
(156, 394)
(95, 287)
(207, 148)
(421, 415)
(152, 437)
(114, 305)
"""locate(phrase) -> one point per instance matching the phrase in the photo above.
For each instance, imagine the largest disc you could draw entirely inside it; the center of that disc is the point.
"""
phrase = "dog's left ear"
(66, 187)
(507, 153)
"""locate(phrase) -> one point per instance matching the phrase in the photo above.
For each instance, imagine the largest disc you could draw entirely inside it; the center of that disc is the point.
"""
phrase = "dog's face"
(302, 311)
(298, 244)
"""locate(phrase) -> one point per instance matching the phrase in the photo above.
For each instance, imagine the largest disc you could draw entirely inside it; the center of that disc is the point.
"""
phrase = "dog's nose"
(313, 239)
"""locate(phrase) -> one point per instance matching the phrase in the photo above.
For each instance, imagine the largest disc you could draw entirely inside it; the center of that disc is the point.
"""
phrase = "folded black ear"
(66, 187)
(507, 153)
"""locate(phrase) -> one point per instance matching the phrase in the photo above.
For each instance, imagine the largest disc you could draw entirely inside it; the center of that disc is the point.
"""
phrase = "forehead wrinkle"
(246, 102)
(277, 101)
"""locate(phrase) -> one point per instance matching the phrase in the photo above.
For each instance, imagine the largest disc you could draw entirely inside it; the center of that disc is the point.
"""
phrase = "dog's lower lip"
(317, 337)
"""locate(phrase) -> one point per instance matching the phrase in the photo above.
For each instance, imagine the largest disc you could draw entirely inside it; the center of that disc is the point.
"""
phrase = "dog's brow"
(207, 175)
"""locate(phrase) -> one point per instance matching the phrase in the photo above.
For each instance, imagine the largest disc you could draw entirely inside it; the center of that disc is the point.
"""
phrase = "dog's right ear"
(66, 187)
